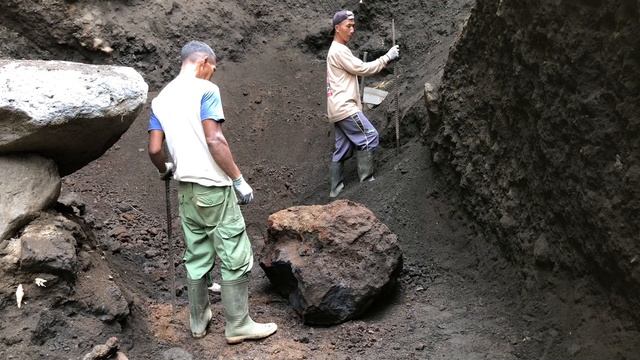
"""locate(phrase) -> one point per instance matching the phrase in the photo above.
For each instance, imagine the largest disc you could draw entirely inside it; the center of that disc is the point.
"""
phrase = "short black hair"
(195, 50)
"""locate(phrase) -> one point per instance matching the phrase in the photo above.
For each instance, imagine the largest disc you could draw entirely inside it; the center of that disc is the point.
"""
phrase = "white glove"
(168, 172)
(393, 53)
(243, 190)
(215, 288)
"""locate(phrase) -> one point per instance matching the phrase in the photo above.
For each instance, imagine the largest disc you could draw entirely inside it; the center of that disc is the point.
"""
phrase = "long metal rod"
(172, 267)
(397, 86)
(393, 31)
(364, 59)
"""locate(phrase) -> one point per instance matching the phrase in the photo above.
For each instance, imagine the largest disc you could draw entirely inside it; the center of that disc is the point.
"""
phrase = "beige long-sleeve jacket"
(343, 92)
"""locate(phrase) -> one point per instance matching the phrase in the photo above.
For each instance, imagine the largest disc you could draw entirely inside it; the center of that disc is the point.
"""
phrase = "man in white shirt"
(344, 108)
(188, 114)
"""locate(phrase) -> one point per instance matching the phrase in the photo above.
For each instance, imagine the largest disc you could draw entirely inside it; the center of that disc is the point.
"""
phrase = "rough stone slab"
(103, 351)
(9, 254)
(176, 354)
(48, 245)
(330, 261)
(28, 184)
(109, 304)
(69, 112)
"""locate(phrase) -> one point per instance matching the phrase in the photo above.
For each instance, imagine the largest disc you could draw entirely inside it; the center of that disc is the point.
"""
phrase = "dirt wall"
(541, 125)
(146, 35)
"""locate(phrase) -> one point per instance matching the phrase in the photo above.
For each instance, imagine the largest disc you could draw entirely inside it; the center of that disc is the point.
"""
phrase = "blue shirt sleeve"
(211, 105)
(154, 123)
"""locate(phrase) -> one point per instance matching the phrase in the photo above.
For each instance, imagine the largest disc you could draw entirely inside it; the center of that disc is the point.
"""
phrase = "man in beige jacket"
(344, 108)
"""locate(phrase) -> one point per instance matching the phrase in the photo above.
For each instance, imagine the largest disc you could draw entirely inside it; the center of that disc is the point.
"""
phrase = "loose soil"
(458, 297)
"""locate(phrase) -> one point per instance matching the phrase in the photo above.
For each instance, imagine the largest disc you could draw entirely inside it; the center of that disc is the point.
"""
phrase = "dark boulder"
(330, 261)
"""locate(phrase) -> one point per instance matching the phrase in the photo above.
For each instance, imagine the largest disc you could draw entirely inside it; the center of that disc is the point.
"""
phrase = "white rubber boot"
(239, 325)
(199, 308)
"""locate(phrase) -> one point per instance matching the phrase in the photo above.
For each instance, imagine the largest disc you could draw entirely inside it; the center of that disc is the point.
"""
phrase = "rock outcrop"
(68, 112)
(28, 184)
(541, 125)
(55, 263)
(330, 261)
(55, 117)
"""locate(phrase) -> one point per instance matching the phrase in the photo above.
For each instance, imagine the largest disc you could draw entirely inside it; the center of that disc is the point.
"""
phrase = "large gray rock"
(330, 261)
(69, 112)
(28, 184)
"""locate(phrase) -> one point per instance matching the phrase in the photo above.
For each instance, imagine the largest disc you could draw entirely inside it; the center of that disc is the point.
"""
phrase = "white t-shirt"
(178, 111)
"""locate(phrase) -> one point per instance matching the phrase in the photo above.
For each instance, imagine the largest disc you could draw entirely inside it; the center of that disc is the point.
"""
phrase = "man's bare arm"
(156, 150)
(219, 148)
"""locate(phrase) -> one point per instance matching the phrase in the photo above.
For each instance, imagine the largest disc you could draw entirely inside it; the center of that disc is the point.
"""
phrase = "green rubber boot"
(365, 165)
(199, 308)
(337, 185)
(239, 326)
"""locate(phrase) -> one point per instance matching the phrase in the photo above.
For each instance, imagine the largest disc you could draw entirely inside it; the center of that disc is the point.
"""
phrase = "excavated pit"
(478, 280)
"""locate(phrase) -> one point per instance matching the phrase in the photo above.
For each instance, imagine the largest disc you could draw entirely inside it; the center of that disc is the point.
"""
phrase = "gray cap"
(341, 16)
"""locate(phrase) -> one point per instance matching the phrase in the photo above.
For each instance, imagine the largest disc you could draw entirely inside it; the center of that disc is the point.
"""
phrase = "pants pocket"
(209, 206)
(234, 247)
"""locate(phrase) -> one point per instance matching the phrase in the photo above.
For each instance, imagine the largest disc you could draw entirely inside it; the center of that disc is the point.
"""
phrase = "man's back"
(180, 109)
